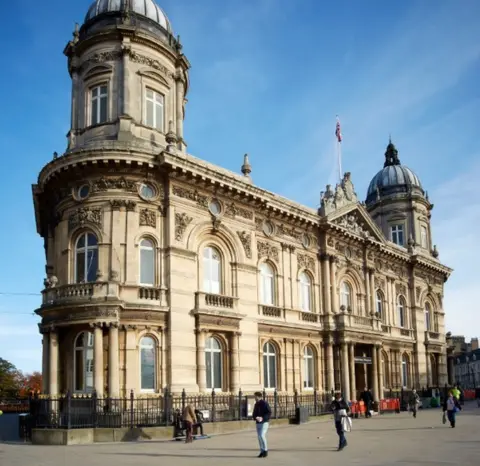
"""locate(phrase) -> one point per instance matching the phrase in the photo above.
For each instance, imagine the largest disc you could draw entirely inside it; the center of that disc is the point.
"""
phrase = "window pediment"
(154, 76)
(97, 71)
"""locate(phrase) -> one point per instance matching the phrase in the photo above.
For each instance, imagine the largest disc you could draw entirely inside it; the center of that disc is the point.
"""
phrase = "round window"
(147, 191)
(215, 207)
(348, 253)
(306, 241)
(268, 228)
(83, 191)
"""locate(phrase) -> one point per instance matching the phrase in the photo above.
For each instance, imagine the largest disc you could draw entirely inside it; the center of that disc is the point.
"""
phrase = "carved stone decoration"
(216, 221)
(50, 282)
(148, 218)
(117, 204)
(351, 224)
(182, 221)
(152, 63)
(106, 184)
(185, 193)
(418, 291)
(343, 195)
(246, 240)
(233, 211)
(85, 215)
(400, 288)
(306, 262)
(101, 57)
(267, 250)
(291, 232)
(379, 283)
(259, 223)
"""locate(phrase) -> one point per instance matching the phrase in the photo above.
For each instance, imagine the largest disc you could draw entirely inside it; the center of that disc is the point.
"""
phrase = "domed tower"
(101, 207)
(399, 205)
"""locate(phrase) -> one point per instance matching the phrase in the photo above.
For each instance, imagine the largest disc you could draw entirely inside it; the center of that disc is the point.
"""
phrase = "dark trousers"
(342, 441)
(368, 408)
(451, 417)
(188, 432)
(414, 409)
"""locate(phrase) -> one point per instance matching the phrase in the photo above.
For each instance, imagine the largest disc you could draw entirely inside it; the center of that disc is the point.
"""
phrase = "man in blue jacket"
(261, 414)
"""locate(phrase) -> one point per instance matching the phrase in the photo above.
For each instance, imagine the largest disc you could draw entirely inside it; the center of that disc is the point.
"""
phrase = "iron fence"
(74, 412)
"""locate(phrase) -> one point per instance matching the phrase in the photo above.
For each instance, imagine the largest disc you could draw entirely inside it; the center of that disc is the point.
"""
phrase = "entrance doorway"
(363, 368)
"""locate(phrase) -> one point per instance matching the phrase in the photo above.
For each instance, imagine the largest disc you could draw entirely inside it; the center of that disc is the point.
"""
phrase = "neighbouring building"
(165, 271)
(463, 361)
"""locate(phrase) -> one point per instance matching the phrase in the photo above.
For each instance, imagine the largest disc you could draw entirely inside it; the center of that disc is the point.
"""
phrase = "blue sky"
(268, 78)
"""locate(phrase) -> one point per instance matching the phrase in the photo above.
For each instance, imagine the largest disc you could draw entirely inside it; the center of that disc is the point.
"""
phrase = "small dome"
(147, 8)
(394, 178)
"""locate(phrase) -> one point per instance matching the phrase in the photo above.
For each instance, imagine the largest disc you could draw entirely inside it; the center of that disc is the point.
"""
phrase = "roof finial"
(391, 155)
(246, 167)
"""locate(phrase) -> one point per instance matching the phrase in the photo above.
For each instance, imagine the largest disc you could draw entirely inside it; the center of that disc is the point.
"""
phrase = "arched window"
(428, 317)
(379, 304)
(308, 368)
(147, 364)
(345, 295)
(86, 258)
(401, 312)
(267, 284)
(405, 371)
(212, 270)
(305, 292)
(83, 362)
(269, 366)
(213, 363)
(147, 262)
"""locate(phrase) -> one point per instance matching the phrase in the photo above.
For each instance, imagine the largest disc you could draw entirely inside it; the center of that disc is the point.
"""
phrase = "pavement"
(391, 439)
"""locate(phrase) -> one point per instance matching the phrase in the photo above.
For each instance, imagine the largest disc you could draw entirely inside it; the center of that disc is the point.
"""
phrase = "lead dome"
(146, 8)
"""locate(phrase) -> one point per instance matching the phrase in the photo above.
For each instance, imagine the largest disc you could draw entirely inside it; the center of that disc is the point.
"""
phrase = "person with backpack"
(451, 406)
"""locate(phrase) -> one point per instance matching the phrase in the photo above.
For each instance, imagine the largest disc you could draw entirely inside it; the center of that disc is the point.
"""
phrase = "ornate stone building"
(164, 270)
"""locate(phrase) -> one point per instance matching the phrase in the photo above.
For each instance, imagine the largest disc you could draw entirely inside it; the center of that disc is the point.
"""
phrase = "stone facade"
(297, 299)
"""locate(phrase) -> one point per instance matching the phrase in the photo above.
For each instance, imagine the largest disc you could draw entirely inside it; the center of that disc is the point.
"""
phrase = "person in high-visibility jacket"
(456, 393)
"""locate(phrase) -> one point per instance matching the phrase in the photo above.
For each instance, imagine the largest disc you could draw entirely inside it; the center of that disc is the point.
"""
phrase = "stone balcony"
(347, 320)
(271, 311)
(397, 332)
(79, 293)
(215, 301)
(291, 316)
(433, 336)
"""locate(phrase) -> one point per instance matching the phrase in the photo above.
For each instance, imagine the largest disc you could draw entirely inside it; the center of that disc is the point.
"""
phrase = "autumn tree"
(10, 379)
(30, 383)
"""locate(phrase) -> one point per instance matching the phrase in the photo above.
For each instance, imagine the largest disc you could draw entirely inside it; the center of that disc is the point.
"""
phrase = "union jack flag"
(338, 133)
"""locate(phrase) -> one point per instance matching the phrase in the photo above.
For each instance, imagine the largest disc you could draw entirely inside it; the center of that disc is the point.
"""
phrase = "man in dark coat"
(340, 410)
(261, 414)
(367, 398)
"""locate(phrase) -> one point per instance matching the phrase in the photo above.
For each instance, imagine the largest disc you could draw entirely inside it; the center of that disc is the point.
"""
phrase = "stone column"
(378, 349)
(326, 281)
(319, 379)
(201, 368)
(125, 94)
(235, 362)
(179, 110)
(345, 370)
(367, 291)
(333, 283)
(53, 364)
(98, 359)
(393, 313)
(353, 388)
(330, 371)
(375, 373)
(372, 291)
(45, 361)
(113, 361)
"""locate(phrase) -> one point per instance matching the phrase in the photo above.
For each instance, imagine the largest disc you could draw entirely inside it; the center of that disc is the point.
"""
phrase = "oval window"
(83, 191)
(147, 191)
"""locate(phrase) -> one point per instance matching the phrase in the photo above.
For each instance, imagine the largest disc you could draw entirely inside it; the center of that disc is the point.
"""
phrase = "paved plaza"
(381, 441)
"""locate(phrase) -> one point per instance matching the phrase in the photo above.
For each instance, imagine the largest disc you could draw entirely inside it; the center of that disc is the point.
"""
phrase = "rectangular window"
(423, 238)
(99, 104)
(267, 290)
(309, 371)
(79, 371)
(154, 109)
(147, 365)
(147, 267)
(397, 235)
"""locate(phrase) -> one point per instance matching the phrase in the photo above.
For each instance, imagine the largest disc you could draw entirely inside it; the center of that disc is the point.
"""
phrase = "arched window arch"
(148, 358)
(308, 368)
(305, 292)
(401, 312)
(147, 262)
(379, 304)
(405, 371)
(428, 317)
(345, 295)
(212, 270)
(86, 258)
(269, 365)
(213, 363)
(83, 362)
(267, 284)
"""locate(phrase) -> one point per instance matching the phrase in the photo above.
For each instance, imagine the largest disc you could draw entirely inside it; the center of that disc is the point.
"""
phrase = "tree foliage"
(14, 383)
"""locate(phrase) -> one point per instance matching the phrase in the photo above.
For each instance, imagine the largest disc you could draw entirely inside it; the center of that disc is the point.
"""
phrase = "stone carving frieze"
(182, 220)
(101, 57)
(267, 250)
(232, 210)
(380, 283)
(107, 184)
(400, 288)
(148, 218)
(83, 216)
(246, 240)
(352, 225)
(117, 204)
(151, 62)
(343, 195)
(306, 262)
(418, 292)
(191, 195)
(281, 229)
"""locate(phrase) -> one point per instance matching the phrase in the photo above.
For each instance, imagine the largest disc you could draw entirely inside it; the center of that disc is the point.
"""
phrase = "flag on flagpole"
(338, 132)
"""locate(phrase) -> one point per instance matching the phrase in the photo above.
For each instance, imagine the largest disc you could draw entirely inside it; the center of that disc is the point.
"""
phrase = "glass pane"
(80, 272)
(148, 368)
(149, 94)
(207, 275)
(79, 370)
(79, 343)
(103, 90)
(91, 240)
(149, 114)
(147, 342)
(272, 372)
(147, 267)
(310, 371)
(159, 117)
(94, 111)
(208, 364)
(103, 109)
(89, 339)
(265, 371)
(92, 265)
(159, 98)
(81, 242)
(95, 92)
(217, 370)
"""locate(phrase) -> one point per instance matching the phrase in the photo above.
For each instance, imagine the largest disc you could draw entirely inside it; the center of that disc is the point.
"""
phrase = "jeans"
(341, 434)
(262, 430)
(451, 417)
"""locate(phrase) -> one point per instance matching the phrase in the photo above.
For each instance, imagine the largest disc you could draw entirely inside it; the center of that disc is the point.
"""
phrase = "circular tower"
(399, 205)
(100, 205)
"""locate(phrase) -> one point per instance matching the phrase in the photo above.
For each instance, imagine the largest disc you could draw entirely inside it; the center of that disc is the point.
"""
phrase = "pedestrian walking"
(451, 406)
(414, 402)
(261, 414)
(367, 398)
(340, 410)
(189, 419)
